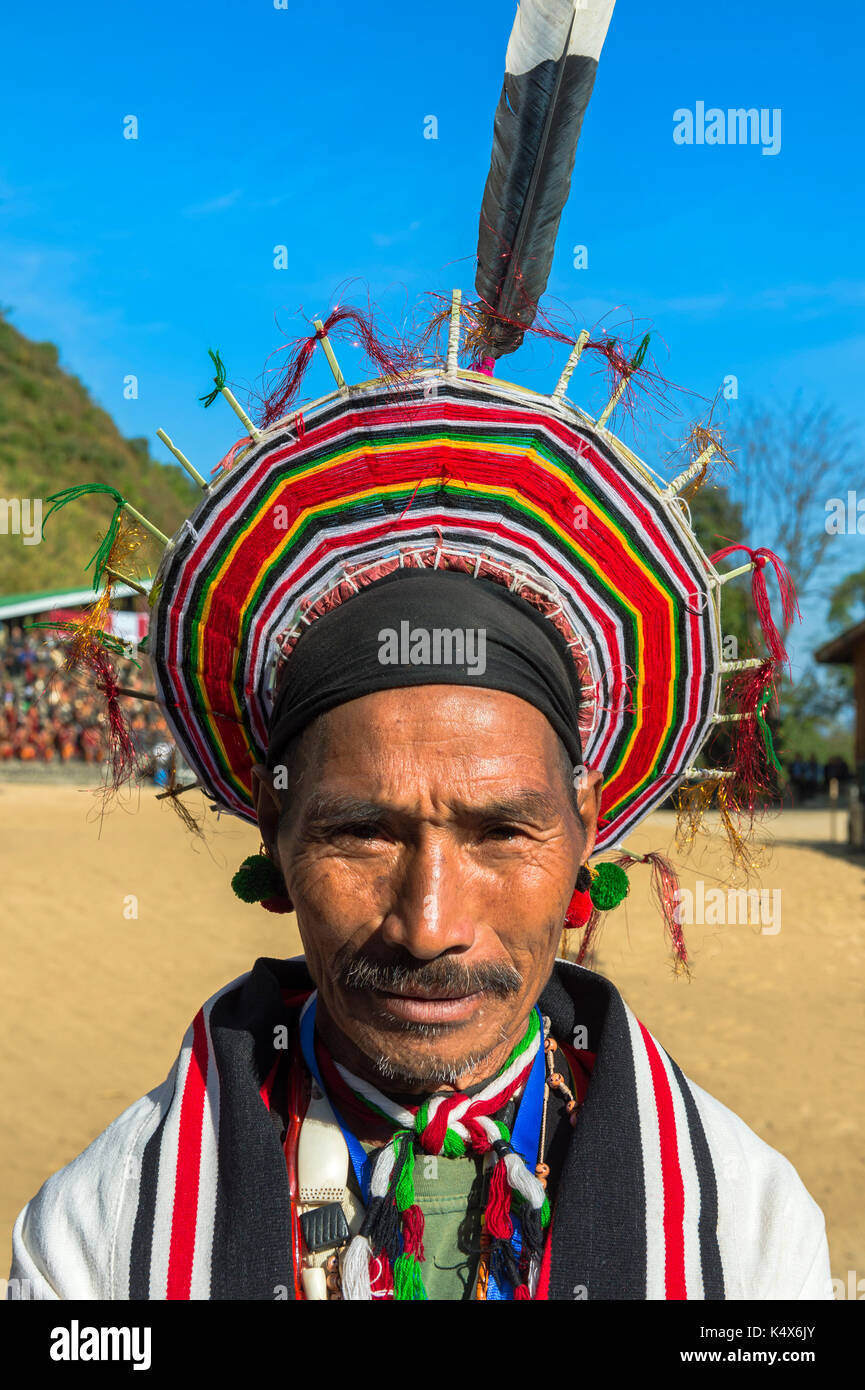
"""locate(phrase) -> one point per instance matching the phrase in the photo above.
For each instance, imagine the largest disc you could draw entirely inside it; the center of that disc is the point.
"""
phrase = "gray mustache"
(361, 973)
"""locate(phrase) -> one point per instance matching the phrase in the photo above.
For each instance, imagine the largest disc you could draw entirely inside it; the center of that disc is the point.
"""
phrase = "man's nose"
(431, 905)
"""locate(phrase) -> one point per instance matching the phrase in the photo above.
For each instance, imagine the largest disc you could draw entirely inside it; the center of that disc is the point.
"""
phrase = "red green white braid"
(389, 1244)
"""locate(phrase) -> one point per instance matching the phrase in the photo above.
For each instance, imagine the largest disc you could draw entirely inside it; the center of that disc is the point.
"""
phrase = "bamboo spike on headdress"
(181, 458)
(329, 353)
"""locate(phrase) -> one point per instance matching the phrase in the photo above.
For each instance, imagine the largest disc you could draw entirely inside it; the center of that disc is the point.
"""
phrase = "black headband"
(428, 627)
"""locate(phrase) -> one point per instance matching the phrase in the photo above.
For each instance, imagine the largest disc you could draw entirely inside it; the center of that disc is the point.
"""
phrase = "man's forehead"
(455, 721)
(537, 805)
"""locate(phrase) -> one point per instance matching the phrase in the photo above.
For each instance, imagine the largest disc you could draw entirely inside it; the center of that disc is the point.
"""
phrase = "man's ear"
(589, 789)
(268, 807)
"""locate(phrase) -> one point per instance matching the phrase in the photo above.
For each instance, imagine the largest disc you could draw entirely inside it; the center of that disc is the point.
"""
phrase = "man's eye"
(504, 832)
(366, 830)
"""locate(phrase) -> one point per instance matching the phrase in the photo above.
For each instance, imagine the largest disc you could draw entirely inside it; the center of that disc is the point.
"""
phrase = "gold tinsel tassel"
(127, 541)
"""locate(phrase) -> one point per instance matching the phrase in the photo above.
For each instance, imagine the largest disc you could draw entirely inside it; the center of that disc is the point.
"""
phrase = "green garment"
(450, 1193)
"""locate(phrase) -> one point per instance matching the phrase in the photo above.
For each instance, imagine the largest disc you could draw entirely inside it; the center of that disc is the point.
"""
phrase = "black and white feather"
(550, 68)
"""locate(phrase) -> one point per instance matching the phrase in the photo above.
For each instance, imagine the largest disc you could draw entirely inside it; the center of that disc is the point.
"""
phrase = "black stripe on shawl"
(710, 1253)
(598, 1231)
(142, 1232)
(251, 1257)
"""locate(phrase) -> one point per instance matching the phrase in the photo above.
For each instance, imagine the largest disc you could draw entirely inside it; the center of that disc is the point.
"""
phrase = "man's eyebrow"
(528, 806)
(324, 809)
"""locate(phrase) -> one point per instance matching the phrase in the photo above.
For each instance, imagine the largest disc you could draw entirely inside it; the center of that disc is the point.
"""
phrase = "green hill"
(53, 436)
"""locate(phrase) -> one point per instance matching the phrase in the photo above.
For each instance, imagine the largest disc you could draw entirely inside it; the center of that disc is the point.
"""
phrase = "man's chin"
(424, 1070)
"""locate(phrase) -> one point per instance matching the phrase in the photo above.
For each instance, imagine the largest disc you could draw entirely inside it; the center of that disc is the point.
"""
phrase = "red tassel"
(522, 1291)
(665, 885)
(789, 604)
(380, 1276)
(412, 1231)
(391, 359)
(276, 905)
(497, 1217)
(753, 781)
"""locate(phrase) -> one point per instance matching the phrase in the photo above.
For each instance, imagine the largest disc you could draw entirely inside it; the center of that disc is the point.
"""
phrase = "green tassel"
(59, 500)
(766, 731)
(257, 879)
(218, 380)
(640, 355)
(610, 886)
(405, 1186)
(407, 1280)
(453, 1146)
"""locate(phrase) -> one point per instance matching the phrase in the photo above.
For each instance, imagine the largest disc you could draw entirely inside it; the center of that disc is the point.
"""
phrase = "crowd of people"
(50, 715)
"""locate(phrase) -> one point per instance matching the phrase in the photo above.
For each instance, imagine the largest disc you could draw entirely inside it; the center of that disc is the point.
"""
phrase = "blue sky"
(304, 126)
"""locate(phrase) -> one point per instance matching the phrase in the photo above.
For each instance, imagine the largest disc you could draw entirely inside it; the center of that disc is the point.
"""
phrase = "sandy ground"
(96, 999)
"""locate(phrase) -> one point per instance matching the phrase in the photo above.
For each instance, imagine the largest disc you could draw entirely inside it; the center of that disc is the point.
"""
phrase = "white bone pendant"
(322, 1155)
(322, 1174)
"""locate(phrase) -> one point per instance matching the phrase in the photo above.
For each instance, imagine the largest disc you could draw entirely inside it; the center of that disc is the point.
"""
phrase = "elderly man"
(428, 1104)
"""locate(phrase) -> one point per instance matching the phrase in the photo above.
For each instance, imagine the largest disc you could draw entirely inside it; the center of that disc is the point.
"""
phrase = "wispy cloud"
(801, 300)
(207, 209)
(840, 293)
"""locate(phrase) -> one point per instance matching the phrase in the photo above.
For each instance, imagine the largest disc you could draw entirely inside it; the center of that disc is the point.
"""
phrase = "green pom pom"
(610, 886)
(257, 879)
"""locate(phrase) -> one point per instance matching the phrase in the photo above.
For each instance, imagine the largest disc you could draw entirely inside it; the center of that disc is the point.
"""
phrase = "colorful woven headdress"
(440, 465)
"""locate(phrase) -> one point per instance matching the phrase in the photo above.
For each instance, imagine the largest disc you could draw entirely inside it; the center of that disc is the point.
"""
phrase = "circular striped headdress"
(456, 471)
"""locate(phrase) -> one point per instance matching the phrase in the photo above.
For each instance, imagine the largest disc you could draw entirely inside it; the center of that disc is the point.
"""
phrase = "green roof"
(19, 605)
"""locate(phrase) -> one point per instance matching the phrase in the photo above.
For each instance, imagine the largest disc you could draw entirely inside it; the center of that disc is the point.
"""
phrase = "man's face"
(430, 849)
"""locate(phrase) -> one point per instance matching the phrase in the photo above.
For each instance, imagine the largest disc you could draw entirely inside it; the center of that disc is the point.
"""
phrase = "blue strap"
(358, 1158)
(527, 1130)
(526, 1140)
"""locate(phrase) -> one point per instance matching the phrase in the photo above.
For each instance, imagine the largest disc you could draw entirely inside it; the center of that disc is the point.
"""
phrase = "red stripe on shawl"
(542, 1293)
(267, 1089)
(581, 1063)
(185, 1213)
(671, 1175)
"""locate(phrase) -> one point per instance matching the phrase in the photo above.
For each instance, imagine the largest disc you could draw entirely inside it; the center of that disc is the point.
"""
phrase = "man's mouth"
(434, 1006)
